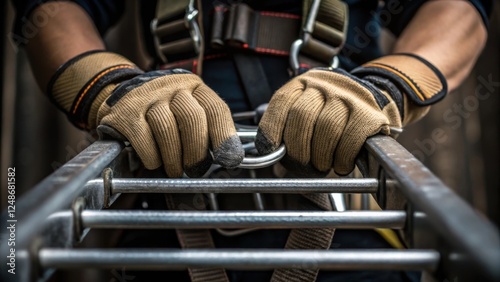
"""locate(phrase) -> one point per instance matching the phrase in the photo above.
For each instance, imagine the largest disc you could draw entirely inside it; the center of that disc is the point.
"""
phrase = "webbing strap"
(239, 26)
(253, 78)
(166, 9)
(317, 238)
(195, 238)
(276, 32)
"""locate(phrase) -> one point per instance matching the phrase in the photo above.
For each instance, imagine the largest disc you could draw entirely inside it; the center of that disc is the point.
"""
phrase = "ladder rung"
(330, 185)
(244, 219)
(154, 259)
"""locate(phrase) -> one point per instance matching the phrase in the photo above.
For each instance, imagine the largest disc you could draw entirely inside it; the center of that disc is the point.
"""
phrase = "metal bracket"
(294, 57)
(107, 178)
(77, 208)
(33, 251)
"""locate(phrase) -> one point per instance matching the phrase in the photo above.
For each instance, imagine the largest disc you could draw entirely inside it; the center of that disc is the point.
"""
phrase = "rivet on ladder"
(77, 208)
(107, 177)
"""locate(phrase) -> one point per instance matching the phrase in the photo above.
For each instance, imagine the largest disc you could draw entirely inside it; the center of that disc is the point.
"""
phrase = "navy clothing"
(366, 18)
(105, 13)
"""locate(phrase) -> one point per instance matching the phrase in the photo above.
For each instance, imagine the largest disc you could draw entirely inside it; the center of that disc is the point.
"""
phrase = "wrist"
(80, 85)
(412, 82)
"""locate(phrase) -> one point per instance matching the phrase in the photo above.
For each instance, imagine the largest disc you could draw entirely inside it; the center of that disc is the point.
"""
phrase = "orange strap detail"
(395, 71)
(94, 82)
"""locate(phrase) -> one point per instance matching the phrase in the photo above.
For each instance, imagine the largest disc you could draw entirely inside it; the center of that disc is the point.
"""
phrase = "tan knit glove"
(324, 116)
(170, 117)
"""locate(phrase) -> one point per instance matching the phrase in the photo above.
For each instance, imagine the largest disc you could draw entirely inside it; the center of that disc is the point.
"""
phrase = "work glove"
(170, 117)
(324, 116)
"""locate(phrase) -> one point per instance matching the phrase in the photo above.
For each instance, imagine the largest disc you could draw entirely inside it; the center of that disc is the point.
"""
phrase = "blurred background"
(458, 140)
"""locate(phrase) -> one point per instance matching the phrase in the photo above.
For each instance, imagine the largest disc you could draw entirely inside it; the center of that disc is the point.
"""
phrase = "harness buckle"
(235, 26)
(183, 29)
(294, 57)
(319, 40)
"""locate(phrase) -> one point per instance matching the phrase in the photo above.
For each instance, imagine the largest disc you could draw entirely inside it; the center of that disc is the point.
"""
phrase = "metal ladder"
(447, 238)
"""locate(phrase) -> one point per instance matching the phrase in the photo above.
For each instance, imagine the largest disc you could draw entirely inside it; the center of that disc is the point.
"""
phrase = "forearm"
(69, 33)
(449, 34)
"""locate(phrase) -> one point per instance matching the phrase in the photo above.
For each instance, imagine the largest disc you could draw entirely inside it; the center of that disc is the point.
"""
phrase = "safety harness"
(311, 40)
(178, 32)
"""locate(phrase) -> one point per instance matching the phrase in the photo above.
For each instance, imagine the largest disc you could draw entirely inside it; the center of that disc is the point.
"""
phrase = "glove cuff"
(421, 82)
(79, 84)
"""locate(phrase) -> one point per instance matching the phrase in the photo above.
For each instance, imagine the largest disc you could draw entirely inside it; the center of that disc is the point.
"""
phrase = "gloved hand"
(170, 117)
(324, 116)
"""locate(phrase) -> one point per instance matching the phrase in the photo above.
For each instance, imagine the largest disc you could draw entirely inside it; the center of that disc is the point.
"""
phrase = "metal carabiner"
(294, 57)
(260, 161)
(305, 37)
(194, 29)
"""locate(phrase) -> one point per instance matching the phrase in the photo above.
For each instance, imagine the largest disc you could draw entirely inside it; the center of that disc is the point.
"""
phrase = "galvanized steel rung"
(233, 185)
(241, 219)
(448, 215)
(155, 259)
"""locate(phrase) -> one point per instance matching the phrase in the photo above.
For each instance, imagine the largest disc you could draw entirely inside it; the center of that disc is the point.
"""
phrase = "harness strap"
(167, 9)
(317, 238)
(177, 37)
(239, 26)
(195, 238)
(253, 78)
